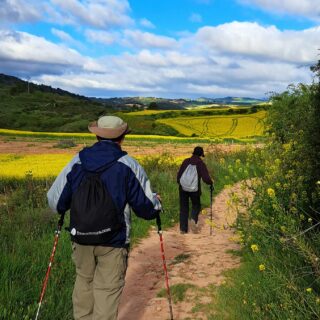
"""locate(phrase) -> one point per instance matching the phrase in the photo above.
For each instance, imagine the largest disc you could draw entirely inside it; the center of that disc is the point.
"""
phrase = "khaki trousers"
(99, 281)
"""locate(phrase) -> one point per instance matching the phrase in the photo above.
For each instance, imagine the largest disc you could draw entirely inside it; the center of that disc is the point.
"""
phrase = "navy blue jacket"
(123, 177)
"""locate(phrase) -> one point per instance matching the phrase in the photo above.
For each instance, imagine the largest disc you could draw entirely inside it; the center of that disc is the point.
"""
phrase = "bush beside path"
(196, 263)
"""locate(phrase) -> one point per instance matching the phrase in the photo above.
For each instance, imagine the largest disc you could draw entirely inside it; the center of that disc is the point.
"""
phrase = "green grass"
(178, 291)
(180, 258)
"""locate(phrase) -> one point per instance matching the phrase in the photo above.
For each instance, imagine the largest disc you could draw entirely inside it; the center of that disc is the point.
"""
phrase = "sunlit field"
(233, 126)
(37, 165)
(49, 165)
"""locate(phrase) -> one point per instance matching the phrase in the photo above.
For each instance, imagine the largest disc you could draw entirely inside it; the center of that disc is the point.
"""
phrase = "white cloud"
(22, 53)
(96, 13)
(147, 23)
(103, 37)
(174, 74)
(195, 17)
(139, 39)
(253, 40)
(67, 39)
(62, 35)
(131, 38)
(306, 8)
(166, 59)
(19, 11)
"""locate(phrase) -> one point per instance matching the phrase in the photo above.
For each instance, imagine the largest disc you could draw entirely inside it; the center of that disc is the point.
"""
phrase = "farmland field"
(42, 155)
(190, 110)
(231, 126)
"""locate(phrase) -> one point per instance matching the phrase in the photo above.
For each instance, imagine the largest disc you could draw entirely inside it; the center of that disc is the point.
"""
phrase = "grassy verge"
(279, 276)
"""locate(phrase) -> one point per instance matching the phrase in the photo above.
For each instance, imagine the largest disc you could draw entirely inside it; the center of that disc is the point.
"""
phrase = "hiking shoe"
(183, 232)
(193, 226)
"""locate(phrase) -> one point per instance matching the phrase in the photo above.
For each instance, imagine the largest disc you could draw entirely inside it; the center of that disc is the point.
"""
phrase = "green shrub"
(279, 277)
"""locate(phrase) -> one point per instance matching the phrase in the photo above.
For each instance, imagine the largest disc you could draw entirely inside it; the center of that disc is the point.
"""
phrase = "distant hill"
(19, 86)
(28, 106)
(232, 101)
(177, 104)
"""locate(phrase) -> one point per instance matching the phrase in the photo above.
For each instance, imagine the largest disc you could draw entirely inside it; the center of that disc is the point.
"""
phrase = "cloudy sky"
(164, 48)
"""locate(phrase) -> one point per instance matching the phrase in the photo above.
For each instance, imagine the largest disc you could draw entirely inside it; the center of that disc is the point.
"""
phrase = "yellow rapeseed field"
(50, 165)
(37, 165)
(58, 135)
(231, 126)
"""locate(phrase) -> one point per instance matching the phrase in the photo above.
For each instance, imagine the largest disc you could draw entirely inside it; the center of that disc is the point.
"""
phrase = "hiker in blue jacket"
(189, 176)
(101, 268)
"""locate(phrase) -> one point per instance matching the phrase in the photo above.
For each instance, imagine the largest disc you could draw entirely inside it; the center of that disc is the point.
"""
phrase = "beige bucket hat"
(109, 127)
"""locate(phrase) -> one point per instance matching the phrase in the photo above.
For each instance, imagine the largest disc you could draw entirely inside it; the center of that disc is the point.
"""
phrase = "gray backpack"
(189, 179)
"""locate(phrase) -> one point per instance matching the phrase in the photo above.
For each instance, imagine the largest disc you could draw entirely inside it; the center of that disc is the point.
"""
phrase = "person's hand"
(158, 197)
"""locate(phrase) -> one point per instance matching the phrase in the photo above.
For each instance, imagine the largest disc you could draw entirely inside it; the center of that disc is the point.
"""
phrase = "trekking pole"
(46, 278)
(211, 192)
(164, 266)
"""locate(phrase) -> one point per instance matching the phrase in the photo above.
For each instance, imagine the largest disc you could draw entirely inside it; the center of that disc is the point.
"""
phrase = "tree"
(153, 106)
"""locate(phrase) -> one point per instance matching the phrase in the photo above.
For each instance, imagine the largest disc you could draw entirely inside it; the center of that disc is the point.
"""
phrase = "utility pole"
(28, 81)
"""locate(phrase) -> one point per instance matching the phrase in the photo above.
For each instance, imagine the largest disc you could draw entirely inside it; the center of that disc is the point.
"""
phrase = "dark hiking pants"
(184, 207)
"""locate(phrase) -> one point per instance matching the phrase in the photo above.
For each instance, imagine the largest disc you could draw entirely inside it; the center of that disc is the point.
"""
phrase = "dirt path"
(203, 258)
(28, 146)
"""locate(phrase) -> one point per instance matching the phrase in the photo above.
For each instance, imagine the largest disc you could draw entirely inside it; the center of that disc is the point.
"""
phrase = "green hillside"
(42, 108)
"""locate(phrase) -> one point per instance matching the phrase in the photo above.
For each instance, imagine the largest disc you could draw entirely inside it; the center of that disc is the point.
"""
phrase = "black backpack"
(94, 218)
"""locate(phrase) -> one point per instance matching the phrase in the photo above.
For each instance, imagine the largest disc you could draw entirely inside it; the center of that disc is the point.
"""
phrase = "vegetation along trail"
(195, 263)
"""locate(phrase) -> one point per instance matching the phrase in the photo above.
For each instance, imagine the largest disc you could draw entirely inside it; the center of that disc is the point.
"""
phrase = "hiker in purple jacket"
(189, 178)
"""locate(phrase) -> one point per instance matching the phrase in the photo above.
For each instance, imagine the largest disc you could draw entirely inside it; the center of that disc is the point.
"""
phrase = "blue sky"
(177, 48)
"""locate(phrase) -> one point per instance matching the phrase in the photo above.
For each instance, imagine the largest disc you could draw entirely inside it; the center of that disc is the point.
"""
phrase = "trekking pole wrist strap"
(60, 222)
(158, 220)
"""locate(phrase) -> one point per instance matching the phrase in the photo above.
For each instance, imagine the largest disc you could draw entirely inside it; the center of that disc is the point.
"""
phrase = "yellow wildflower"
(262, 267)
(294, 210)
(271, 193)
(309, 290)
(254, 248)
